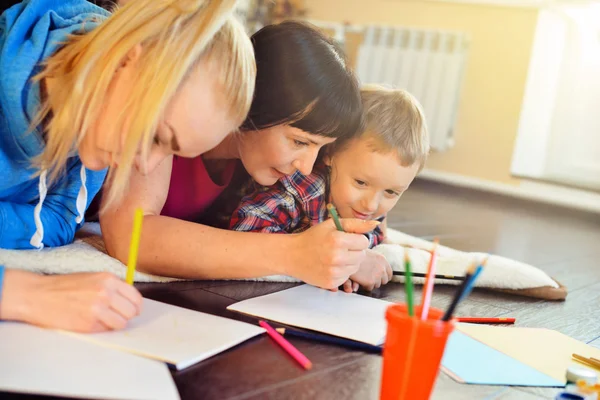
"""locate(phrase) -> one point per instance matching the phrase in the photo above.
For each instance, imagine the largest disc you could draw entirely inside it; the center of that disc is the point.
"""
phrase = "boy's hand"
(348, 287)
(374, 271)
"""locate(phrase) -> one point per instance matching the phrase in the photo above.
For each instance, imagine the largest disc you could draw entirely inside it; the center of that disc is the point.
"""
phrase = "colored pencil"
(422, 275)
(334, 215)
(287, 346)
(428, 289)
(461, 289)
(330, 339)
(408, 285)
(134, 245)
(470, 286)
(587, 361)
(475, 320)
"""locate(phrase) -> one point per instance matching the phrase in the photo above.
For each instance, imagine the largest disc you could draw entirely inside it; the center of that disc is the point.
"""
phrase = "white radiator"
(428, 63)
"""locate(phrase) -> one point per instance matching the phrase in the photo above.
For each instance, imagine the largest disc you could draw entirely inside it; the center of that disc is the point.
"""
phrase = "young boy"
(363, 177)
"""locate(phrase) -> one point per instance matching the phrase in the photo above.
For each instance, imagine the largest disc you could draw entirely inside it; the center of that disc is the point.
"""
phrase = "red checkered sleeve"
(272, 211)
(292, 205)
(376, 236)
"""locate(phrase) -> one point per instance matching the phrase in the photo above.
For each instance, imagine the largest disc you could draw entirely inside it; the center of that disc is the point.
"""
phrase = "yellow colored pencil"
(134, 245)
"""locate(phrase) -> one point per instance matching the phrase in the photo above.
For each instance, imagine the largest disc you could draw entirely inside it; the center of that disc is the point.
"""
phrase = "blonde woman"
(305, 97)
(82, 90)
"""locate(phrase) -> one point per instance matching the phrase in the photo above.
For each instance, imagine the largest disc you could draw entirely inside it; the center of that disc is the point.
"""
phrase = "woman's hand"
(326, 257)
(82, 302)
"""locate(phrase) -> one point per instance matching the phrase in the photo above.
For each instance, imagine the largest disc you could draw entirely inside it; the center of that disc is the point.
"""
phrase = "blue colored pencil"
(331, 339)
(471, 284)
(459, 293)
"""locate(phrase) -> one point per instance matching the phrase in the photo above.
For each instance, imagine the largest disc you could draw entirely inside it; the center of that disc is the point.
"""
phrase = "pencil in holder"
(412, 353)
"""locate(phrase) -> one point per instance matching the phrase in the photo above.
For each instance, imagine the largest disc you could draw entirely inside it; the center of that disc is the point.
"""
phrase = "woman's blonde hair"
(175, 35)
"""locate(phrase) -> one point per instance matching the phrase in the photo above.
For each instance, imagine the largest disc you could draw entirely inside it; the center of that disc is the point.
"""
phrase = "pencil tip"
(472, 268)
(485, 260)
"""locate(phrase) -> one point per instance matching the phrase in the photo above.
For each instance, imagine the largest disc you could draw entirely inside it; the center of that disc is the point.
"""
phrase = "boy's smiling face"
(366, 184)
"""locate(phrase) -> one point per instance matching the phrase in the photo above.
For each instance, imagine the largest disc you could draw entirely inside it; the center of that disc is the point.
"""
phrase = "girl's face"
(269, 154)
(366, 184)
(195, 120)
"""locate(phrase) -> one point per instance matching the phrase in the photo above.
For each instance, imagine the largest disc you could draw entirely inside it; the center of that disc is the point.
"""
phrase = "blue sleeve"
(58, 214)
(1, 282)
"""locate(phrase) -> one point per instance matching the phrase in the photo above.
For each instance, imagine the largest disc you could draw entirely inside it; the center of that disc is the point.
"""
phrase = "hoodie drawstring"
(38, 236)
(81, 203)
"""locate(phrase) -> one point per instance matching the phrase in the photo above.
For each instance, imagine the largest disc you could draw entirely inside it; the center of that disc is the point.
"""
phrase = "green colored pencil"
(408, 285)
(334, 215)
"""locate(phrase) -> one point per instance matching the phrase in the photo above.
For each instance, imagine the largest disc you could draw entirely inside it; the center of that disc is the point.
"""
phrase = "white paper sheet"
(346, 315)
(40, 361)
(175, 335)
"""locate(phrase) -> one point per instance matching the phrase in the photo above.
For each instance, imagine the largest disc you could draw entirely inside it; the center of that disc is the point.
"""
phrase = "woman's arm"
(85, 302)
(321, 256)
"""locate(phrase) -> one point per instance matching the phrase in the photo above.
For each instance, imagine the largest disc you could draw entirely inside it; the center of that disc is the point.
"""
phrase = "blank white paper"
(341, 314)
(176, 335)
(41, 361)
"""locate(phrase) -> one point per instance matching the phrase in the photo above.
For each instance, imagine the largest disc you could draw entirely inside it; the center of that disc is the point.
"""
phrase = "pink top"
(192, 190)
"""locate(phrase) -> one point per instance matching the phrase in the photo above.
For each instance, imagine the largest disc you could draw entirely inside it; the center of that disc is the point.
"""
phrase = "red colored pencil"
(474, 320)
(287, 346)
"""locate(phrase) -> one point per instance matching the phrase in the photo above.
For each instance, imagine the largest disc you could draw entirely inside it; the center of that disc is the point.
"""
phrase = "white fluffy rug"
(87, 254)
(499, 272)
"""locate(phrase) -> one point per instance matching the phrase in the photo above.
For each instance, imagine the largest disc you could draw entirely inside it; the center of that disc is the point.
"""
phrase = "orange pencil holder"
(412, 353)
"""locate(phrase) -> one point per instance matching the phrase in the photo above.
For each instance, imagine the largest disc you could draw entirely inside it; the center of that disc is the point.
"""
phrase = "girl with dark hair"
(305, 97)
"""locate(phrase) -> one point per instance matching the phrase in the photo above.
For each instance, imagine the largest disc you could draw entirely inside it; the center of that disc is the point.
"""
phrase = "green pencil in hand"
(334, 215)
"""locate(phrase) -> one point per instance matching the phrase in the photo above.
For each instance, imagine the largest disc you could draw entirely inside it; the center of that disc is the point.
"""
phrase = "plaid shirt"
(294, 204)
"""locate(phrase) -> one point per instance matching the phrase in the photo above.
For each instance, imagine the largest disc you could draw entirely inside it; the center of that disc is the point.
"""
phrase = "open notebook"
(345, 315)
(42, 361)
(175, 335)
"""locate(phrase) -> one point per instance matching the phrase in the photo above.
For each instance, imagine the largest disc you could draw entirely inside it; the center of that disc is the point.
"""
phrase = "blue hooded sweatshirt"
(33, 215)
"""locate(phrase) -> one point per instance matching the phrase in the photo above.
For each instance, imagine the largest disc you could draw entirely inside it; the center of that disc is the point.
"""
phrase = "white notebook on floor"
(345, 315)
(46, 362)
(175, 335)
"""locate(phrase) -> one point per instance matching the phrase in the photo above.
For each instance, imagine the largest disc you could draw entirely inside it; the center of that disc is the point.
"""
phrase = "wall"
(496, 71)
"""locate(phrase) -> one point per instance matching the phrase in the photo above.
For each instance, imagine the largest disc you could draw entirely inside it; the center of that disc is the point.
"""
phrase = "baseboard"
(530, 190)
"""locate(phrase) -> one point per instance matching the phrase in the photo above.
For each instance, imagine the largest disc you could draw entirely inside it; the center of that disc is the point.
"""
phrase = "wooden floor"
(562, 242)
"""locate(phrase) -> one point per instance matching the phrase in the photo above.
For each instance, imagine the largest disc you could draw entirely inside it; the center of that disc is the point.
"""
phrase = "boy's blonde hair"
(395, 120)
(175, 35)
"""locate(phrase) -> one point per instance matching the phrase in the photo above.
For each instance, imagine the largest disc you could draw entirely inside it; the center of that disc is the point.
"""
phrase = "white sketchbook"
(345, 315)
(175, 335)
(45, 362)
